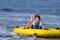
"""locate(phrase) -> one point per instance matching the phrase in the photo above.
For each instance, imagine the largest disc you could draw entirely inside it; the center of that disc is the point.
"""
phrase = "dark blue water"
(17, 12)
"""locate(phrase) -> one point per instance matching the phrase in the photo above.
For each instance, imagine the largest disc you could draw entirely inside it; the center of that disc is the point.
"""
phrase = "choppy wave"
(23, 18)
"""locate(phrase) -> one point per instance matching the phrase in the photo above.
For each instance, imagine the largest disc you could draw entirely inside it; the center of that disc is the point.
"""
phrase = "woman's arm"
(42, 26)
(29, 24)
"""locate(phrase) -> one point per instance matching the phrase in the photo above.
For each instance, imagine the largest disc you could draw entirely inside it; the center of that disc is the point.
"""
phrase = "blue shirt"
(37, 25)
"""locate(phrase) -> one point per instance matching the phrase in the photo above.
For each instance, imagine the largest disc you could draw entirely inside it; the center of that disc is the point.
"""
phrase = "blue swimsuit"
(35, 25)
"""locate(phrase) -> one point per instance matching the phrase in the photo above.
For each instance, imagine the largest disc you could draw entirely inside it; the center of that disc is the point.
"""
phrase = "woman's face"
(37, 19)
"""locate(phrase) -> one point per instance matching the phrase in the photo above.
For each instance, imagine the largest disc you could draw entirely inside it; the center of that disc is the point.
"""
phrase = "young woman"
(35, 22)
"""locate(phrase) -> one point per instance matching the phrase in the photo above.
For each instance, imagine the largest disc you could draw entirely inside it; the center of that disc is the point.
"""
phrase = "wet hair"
(38, 16)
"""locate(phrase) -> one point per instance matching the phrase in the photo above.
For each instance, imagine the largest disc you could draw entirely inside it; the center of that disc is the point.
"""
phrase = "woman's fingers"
(33, 16)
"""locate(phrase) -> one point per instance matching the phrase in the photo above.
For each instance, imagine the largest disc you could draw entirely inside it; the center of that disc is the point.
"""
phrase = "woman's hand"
(32, 17)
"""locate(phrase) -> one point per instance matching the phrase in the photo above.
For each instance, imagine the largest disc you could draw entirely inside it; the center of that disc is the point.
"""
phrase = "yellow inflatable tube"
(38, 32)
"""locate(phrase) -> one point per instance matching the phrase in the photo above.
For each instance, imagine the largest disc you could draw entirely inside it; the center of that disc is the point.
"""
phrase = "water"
(17, 12)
